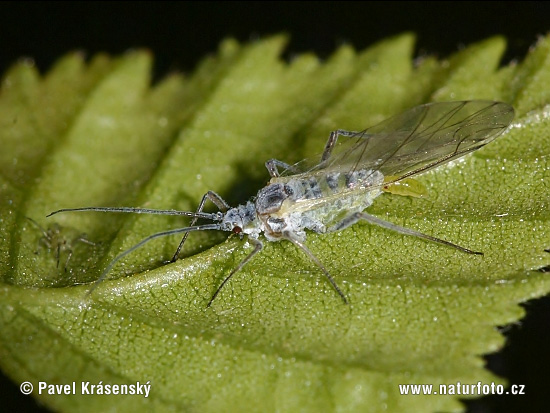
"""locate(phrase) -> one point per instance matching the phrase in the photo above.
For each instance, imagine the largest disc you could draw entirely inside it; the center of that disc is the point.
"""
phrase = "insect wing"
(417, 140)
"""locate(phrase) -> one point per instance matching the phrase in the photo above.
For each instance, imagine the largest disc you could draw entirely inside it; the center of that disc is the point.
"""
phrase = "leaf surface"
(278, 337)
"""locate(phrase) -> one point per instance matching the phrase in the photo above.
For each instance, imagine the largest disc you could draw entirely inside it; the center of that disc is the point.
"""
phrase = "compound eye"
(236, 229)
(275, 199)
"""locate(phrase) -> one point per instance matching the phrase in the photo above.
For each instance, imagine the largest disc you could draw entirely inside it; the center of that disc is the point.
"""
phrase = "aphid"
(53, 239)
(329, 194)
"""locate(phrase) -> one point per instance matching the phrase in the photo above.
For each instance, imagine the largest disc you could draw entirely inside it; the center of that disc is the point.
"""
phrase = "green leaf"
(277, 337)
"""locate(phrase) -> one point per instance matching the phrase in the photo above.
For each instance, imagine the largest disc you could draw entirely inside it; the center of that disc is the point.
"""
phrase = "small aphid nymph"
(53, 239)
(329, 194)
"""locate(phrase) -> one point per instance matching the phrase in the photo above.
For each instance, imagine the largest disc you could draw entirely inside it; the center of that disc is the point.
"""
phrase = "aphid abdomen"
(318, 202)
(301, 188)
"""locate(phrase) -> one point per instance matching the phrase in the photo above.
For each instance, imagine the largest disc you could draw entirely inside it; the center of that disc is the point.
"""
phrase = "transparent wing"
(416, 140)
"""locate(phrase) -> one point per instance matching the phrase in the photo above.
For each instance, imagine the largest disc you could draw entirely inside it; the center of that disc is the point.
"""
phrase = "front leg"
(216, 200)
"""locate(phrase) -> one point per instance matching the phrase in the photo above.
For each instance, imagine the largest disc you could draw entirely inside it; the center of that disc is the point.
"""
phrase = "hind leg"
(353, 218)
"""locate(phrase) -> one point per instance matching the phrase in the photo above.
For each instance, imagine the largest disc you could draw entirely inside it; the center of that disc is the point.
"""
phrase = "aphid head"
(239, 220)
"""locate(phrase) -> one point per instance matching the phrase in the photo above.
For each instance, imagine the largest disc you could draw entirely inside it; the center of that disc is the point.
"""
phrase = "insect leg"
(353, 218)
(272, 165)
(313, 258)
(216, 200)
(37, 225)
(58, 254)
(331, 142)
(45, 240)
(70, 251)
(69, 255)
(85, 241)
(257, 248)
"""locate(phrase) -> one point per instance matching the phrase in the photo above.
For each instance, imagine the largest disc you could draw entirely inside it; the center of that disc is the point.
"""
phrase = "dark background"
(180, 33)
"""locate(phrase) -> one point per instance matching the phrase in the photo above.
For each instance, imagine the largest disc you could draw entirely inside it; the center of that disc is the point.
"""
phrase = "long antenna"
(206, 227)
(217, 216)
